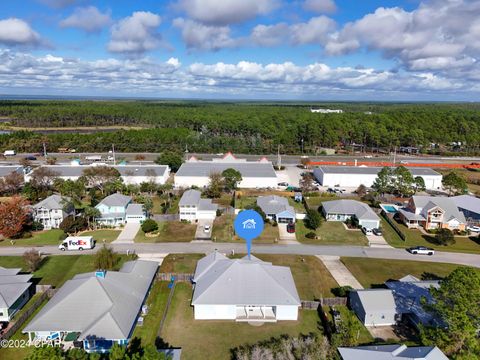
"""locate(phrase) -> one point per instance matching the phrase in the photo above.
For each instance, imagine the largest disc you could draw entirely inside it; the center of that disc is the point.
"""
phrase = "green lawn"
(169, 231)
(415, 237)
(331, 233)
(39, 238)
(213, 339)
(370, 272)
(180, 263)
(156, 301)
(243, 201)
(364, 337)
(224, 199)
(223, 231)
(104, 234)
(298, 206)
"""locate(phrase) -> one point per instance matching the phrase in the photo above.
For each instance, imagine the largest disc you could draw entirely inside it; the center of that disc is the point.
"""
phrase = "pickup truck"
(421, 250)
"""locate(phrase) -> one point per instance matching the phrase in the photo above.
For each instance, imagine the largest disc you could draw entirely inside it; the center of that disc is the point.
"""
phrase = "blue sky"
(249, 49)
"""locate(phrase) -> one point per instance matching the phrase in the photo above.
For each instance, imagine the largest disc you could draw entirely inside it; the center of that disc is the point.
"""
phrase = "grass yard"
(331, 233)
(415, 238)
(224, 200)
(156, 301)
(223, 231)
(244, 201)
(298, 206)
(180, 263)
(104, 234)
(169, 231)
(370, 272)
(364, 336)
(213, 339)
(312, 278)
(39, 238)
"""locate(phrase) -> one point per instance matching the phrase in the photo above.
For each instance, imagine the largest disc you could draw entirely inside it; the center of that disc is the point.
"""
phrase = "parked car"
(421, 250)
(206, 228)
(377, 231)
(474, 228)
(367, 231)
(291, 228)
(30, 158)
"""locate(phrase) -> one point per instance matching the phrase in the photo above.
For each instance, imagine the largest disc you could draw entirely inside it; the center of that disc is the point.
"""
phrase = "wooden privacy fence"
(314, 305)
(178, 277)
(393, 225)
(18, 322)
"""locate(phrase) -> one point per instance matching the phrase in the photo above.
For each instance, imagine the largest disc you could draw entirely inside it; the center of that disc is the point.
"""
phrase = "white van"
(9, 153)
(77, 243)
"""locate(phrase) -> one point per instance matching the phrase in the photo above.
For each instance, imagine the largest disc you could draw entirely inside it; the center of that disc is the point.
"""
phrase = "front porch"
(256, 313)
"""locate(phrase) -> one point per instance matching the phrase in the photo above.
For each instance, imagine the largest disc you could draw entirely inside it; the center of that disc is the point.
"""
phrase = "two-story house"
(432, 213)
(51, 211)
(192, 207)
(118, 209)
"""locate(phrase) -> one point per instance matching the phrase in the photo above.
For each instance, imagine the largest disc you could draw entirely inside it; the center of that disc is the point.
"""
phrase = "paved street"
(300, 249)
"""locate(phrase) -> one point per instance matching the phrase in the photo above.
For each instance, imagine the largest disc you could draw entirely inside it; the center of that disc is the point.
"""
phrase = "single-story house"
(15, 291)
(432, 212)
(374, 307)
(408, 293)
(341, 210)
(277, 208)
(255, 174)
(130, 174)
(243, 290)
(470, 207)
(192, 207)
(118, 209)
(354, 176)
(97, 308)
(51, 211)
(391, 352)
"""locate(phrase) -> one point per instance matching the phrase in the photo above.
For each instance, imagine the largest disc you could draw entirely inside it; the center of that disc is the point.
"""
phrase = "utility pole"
(394, 155)
(279, 158)
(186, 152)
(113, 153)
(45, 151)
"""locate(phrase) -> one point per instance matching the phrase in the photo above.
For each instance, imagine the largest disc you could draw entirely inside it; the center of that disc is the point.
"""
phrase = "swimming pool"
(392, 209)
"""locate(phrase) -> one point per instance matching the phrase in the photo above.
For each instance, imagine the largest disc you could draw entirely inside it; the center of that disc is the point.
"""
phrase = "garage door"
(369, 224)
(284, 220)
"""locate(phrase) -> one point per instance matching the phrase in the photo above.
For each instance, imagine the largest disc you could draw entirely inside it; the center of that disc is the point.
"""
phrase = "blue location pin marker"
(248, 225)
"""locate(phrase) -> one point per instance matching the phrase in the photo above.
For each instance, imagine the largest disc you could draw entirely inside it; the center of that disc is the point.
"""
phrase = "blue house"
(118, 209)
(277, 208)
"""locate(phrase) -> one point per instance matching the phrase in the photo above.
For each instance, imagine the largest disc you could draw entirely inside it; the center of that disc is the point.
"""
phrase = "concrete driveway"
(128, 234)
(377, 241)
(200, 233)
(285, 236)
(340, 273)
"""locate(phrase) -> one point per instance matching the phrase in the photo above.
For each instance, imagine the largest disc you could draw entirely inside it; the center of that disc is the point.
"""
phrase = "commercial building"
(98, 309)
(255, 174)
(354, 176)
(243, 290)
(192, 207)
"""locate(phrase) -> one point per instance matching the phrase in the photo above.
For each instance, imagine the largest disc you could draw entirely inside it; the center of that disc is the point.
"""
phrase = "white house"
(243, 290)
(98, 309)
(118, 209)
(192, 207)
(391, 352)
(354, 176)
(50, 212)
(14, 292)
(277, 208)
(341, 210)
(130, 174)
(255, 174)
(374, 307)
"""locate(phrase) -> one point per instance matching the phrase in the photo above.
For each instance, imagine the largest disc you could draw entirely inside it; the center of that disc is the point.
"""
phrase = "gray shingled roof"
(124, 170)
(9, 271)
(94, 306)
(15, 279)
(350, 207)
(273, 204)
(190, 197)
(391, 352)
(222, 281)
(116, 200)
(376, 300)
(135, 210)
(53, 202)
(12, 286)
(415, 171)
(207, 205)
(247, 169)
(445, 203)
(467, 202)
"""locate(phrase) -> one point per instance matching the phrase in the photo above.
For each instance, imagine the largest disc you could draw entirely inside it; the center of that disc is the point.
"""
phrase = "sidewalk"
(340, 273)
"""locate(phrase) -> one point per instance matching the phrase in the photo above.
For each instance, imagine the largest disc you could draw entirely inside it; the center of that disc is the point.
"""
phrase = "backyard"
(180, 263)
(414, 237)
(213, 339)
(374, 272)
(169, 231)
(330, 233)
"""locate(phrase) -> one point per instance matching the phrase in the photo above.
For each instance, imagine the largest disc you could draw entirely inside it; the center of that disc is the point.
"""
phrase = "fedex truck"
(77, 243)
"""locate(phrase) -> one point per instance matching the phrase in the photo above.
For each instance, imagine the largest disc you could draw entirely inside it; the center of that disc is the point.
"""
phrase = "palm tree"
(90, 214)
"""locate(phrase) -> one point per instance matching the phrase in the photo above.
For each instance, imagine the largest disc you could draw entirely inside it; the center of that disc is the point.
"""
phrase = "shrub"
(26, 235)
(37, 226)
(274, 224)
(149, 226)
(444, 237)
(32, 259)
(342, 291)
(310, 235)
(105, 258)
(313, 219)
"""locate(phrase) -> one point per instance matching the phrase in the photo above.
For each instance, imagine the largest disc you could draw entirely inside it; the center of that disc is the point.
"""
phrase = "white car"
(421, 250)
(206, 228)
(474, 228)
(367, 231)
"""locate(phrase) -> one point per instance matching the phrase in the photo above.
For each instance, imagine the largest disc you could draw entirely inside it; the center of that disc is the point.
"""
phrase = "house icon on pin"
(249, 224)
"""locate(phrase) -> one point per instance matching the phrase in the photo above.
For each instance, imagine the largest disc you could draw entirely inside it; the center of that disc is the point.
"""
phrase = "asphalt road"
(300, 249)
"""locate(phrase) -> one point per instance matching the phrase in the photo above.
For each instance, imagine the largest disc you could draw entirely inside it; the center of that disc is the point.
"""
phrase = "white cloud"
(204, 37)
(315, 31)
(320, 6)
(89, 19)
(270, 35)
(224, 12)
(135, 34)
(15, 31)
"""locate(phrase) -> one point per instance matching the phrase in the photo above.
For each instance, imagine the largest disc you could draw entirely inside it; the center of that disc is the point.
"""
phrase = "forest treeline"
(243, 127)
